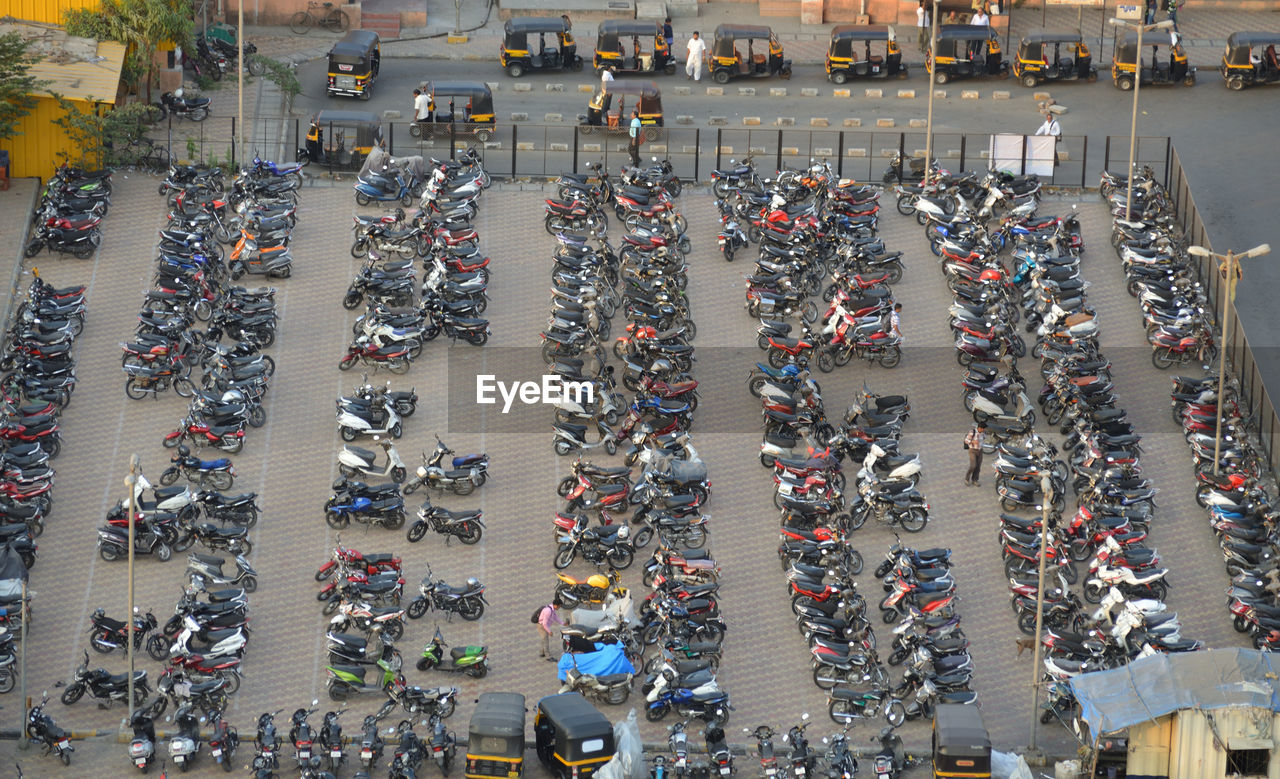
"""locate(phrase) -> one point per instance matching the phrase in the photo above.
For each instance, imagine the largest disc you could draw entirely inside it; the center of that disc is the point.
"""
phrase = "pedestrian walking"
(895, 322)
(697, 49)
(922, 26)
(606, 86)
(1150, 16)
(669, 35)
(548, 618)
(1050, 126)
(973, 445)
(423, 107)
(633, 146)
(1171, 7)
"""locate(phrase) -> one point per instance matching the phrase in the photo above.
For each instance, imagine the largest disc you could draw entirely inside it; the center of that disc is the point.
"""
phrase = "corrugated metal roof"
(76, 68)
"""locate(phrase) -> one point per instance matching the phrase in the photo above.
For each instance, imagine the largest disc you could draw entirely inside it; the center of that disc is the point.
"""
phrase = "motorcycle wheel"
(338, 692)
(70, 695)
(133, 390)
(394, 521)
(472, 533)
(352, 300)
(425, 663)
(157, 649)
(331, 606)
(110, 553)
(1027, 623)
(890, 357)
(642, 537)
(897, 714)
(826, 361)
(163, 552)
(99, 647)
(1046, 716)
(1093, 592)
(915, 520)
(417, 607)
(169, 476)
(478, 671)
(564, 556)
(221, 480)
(622, 558)
(446, 708)
(184, 542)
(393, 630)
(348, 434)
(335, 520)
(417, 531)
(657, 713)
(618, 696)
(463, 487)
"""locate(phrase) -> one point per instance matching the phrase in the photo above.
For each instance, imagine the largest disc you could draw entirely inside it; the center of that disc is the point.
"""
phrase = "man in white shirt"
(697, 49)
(606, 85)
(981, 18)
(422, 107)
(1050, 126)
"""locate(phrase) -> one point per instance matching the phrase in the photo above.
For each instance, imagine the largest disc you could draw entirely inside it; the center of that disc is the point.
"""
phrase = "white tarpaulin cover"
(1160, 684)
(1008, 153)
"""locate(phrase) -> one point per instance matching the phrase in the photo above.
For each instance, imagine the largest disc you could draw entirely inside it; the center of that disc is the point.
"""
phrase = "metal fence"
(1241, 361)
(545, 150)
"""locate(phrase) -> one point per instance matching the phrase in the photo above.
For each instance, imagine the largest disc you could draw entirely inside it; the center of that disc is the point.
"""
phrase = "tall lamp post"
(928, 123)
(1230, 271)
(1137, 82)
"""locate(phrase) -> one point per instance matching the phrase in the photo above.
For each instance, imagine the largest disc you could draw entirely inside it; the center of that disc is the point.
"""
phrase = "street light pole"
(1229, 261)
(130, 483)
(241, 62)
(1137, 82)
(928, 122)
(1046, 495)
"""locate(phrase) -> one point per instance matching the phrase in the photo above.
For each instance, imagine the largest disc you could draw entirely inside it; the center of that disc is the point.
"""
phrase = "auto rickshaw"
(341, 139)
(961, 747)
(517, 56)
(466, 106)
(612, 112)
(966, 51)
(611, 47)
(495, 743)
(1242, 68)
(1034, 64)
(572, 738)
(354, 63)
(1127, 61)
(728, 63)
(849, 54)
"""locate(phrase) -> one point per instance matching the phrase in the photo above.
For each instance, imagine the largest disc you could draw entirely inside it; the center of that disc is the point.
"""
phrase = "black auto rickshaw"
(495, 742)
(966, 51)
(458, 107)
(611, 47)
(572, 738)
(850, 54)
(961, 746)
(727, 62)
(1040, 58)
(612, 112)
(1127, 62)
(341, 139)
(1242, 68)
(354, 63)
(518, 56)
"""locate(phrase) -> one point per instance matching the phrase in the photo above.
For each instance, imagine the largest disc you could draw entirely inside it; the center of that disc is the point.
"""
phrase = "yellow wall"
(1149, 747)
(47, 11)
(33, 150)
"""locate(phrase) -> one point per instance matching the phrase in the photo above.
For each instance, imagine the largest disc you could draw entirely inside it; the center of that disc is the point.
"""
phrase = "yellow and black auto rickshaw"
(727, 61)
(961, 746)
(966, 51)
(341, 139)
(612, 112)
(1251, 59)
(612, 49)
(1041, 58)
(572, 738)
(495, 742)
(850, 53)
(354, 63)
(519, 55)
(1126, 64)
(464, 106)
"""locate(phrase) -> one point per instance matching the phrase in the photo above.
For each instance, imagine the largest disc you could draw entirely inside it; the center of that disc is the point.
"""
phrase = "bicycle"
(331, 19)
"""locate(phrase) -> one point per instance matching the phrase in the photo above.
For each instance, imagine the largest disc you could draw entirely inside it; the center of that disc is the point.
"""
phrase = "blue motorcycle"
(382, 189)
(707, 702)
(293, 171)
(217, 474)
(341, 509)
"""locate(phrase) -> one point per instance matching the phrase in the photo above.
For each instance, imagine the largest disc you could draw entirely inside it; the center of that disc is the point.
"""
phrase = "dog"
(1025, 644)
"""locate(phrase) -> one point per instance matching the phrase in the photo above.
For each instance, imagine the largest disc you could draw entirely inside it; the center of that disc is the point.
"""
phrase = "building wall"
(1149, 745)
(34, 149)
(47, 11)
(1198, 750)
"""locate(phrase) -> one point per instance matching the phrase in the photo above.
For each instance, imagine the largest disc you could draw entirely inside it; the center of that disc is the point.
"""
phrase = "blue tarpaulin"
(607, 659)
(1153, 686)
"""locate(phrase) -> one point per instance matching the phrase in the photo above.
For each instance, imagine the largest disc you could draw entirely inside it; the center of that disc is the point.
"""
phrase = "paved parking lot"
(290, 462)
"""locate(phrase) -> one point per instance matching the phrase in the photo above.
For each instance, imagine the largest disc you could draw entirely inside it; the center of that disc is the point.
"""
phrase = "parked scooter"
(354, 461)
(468, 472)
(41, 727)
(184, 747)
(142, 747)
(471, 660)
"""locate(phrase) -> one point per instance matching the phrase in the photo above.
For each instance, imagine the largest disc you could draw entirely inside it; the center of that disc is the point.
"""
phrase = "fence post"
(575, 148)
(964, 149)
(697, 156)
(1168, 151)
(391, 138)
(719, 145)
(1084, 162)
(515, 136)
(840, 154)
(1023, 169)
(779, 147)
(453, 137)
(1106, 155)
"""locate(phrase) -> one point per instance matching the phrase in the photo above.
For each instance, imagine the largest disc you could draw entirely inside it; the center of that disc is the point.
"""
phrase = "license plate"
(63, 744)
(217, 752)
(721, 240)
(335, 753)
(724, 770)
(366, 754)
(179, 759)
(141, 762)
(799, 772)
(770, 771)
(305, 754)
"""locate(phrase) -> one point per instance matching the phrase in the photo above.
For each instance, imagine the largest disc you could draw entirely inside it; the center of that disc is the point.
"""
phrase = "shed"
(81, 70)
(1193, 715)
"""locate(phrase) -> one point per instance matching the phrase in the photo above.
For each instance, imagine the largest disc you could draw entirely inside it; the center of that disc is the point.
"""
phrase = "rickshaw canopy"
(355, 48)
(517, 30)
(477, 92)
(726, 34)
(961, 746)
(1126, 52)
(582, 733)
(1240, 43)
(368, 126)
(843, 37)
(951, 35)
(497, 726)
(1033, 43)
(611, 30)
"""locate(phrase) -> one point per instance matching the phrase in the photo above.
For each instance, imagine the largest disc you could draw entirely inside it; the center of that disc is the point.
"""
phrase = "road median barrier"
(819, 121)
(522, 86)
(906, 94)
(873, 93)
(785, 121)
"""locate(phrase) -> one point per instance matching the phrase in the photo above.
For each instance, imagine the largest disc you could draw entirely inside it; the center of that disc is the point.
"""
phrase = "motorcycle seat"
(213, 465)
(378, 557)
(364, 454)
(223, 596)
(577, 431)
(113, 625)
(208, 560)
(962, 697)
(455, 590)
(120, 680)
(214, 636)
(947, 665)
(456, 516)
(201, 688)
(381, 611)
(459, 652)
(931, 574)
(349, 641)
(354, 670)
(947, 646)
(612, 679)
(895, 487)
(164, 493)
(210, 529)
(610, 488)
(620, 470)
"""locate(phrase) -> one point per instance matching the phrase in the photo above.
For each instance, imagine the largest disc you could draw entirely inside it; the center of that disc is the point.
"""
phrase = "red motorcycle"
(381, 562)
(395, 357)
(228, 438)
(609, 495)
(1173, 347)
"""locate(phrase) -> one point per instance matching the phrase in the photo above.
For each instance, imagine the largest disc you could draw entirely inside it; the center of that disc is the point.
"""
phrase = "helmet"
(232, 396)
(990, 274)
(661, 365)
(473, 582)
(177, 92)
(599, 581)
(184, 450)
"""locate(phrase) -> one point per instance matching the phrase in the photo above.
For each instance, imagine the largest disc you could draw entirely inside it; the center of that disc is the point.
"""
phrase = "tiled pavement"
(290, 462)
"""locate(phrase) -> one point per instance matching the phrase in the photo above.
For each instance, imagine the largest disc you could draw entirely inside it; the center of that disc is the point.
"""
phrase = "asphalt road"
(1225, 139)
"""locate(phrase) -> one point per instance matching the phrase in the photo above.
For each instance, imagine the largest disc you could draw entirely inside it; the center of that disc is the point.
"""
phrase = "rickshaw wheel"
(415, 129)
(1190, 80)
(670, 69)
(1125, 83)
(585, 129)
(515, 70)
(483, 135)
(785, 75)
(1093, 76)
(651, 133)
(1029, 81)
(941, 77)
(1235, 83)
(721, 76)
(839, 77)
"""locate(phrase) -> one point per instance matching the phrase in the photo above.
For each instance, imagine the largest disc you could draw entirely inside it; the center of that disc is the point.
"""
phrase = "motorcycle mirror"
(135, 609)
(824, 740)
(786, 737)
(168, 719)
(203, 720)
(45, 694)
(315, 701)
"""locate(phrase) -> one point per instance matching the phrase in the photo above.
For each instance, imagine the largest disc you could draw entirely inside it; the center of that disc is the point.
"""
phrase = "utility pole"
(933, 60)
(241, 62)
(1046, 489)
(130, 483)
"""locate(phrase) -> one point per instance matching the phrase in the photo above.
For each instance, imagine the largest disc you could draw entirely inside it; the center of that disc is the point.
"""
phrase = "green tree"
(16, 83)
(142, 25)
(98, 134)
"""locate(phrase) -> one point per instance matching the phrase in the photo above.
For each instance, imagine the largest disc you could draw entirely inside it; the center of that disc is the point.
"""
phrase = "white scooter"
(607, 405)
(984, 409)
(906, 466)
(352, 425)
(184, 747)
(223, 648)
(353, 460)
